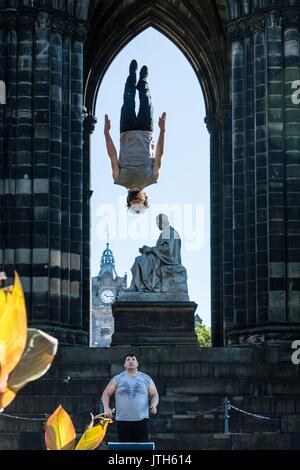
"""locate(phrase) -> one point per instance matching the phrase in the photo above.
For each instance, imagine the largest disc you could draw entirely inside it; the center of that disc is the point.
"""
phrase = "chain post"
(226, 415)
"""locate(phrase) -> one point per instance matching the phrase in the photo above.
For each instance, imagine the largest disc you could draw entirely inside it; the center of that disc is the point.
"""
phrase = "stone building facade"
(245, 53)
(105, 288)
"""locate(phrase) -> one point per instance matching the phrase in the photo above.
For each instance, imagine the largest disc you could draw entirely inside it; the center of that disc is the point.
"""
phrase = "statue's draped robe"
(146, 275)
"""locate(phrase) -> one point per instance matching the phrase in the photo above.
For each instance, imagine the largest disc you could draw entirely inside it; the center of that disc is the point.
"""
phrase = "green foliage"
(203, 334)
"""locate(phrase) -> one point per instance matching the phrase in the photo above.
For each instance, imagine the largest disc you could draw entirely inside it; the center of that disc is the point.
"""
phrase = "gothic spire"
(107, 262)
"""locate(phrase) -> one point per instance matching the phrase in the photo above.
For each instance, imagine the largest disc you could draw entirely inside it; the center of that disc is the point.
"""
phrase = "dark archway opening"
(182, 191)
(198, 31)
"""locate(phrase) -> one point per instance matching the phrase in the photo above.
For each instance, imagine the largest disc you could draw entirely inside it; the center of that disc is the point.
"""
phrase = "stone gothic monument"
(53, 56)
(246, 56)
(105, 289)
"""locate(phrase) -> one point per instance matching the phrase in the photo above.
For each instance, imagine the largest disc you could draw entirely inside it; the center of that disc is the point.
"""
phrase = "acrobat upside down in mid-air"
(137, 166)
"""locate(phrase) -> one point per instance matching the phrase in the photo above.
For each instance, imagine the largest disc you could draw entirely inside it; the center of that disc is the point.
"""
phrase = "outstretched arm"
(160, 145)
(111, 149)
(108, 392)
(154, 397)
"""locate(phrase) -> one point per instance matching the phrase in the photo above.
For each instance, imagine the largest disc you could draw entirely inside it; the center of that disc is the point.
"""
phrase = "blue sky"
(182, 191)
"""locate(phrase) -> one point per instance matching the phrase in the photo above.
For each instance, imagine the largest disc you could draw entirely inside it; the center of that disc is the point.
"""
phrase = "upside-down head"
(137, 201)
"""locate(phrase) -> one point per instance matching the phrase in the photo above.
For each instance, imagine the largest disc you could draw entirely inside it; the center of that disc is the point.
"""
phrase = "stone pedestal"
(157, 323)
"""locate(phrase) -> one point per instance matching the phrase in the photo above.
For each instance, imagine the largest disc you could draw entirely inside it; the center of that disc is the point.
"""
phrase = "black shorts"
(133, 431)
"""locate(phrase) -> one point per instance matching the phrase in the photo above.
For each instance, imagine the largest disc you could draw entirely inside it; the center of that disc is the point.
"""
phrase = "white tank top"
(132, 396)
(136, 159)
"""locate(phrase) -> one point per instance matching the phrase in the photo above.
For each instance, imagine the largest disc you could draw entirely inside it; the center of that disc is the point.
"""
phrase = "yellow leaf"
(2, 301)
(93, 437)
(60, 433)
(2, 353)
(3, 374)
(7, 397)
(13, 321)
(37, 358)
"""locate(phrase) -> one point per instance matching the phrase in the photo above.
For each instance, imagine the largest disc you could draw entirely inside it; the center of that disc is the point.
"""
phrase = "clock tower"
(105, 288)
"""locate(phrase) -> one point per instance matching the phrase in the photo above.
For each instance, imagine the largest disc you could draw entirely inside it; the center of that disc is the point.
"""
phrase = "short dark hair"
(131, 354)
(132, 196)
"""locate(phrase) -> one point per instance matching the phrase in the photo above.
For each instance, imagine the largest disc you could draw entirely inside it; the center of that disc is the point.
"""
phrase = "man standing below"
(132, 391)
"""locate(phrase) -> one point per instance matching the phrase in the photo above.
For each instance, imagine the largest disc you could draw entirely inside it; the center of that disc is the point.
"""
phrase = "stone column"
(213, 126)
(266, 179)
(219, 127)
(2, 163)
(89, 127)
(291, 119)
(66, 177)
(239, 210)
(42, 169)
(8, 157)
(224, 116)
(24, 148)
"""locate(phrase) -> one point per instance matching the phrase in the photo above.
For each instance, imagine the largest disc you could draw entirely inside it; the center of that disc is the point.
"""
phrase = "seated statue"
(159, 268)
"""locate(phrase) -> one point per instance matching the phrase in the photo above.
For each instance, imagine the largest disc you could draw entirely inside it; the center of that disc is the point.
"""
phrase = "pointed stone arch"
(196, 28)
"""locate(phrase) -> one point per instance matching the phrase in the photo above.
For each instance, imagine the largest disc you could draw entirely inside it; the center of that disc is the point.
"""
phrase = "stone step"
(256, 354)
(9, 441)
(9, 425)
(70, 384)
(203, 424)
(66, 386)
(219, 441)
(173, 403)
(193, 441)
(186, 370)
(225, 387)
(268, 405)
(76, 371)
(161, 354)
(48, 403)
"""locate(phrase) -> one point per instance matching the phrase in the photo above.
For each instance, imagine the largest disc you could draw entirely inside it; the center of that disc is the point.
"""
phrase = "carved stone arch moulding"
(199, 37)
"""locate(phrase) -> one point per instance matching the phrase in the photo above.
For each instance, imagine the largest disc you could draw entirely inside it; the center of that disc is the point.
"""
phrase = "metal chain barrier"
(211, 411)
(25, 418)
(85, 410)
(46, 415)
(225, 408)
(253, 414)
(228, 406)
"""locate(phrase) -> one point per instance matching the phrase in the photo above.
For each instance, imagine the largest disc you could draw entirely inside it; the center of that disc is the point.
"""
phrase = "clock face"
(107, 296)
